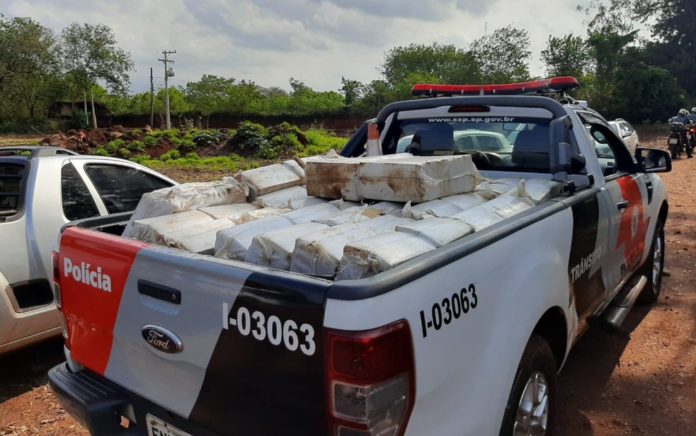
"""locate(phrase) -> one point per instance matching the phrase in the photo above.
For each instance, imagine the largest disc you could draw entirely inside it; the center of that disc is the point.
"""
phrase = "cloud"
(316, 41)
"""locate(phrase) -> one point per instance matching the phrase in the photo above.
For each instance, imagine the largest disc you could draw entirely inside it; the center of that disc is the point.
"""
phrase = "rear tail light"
(371, 381)
(56, 292)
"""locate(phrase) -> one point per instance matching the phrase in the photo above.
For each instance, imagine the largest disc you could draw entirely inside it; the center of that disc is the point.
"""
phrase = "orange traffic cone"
(373, 147)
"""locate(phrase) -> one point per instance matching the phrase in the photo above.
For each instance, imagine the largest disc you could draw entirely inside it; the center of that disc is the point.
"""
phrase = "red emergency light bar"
(555, 84)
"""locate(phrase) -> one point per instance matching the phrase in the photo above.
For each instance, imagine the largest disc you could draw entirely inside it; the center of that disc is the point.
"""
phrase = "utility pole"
(168, 72)
(152, 100)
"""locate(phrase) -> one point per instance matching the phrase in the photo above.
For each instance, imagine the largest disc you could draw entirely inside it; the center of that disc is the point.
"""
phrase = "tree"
(675, 33)
(351, 91)
(28, 66)
(646, 93)
(503, 55)
(90, 54)
(566, 56)
(208, 95)
(443, 63)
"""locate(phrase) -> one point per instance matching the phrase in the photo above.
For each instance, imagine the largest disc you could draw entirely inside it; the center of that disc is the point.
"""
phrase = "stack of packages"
(334, 217)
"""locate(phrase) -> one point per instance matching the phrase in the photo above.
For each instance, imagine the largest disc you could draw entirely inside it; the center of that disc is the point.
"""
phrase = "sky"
(314, 41)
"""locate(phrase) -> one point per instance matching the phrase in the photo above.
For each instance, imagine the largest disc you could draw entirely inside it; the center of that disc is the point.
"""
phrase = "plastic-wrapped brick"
(271, 178)
(233, 243)
(379, 253)
(153, 229)
(185, 197)
(438, 231)
(274, 248)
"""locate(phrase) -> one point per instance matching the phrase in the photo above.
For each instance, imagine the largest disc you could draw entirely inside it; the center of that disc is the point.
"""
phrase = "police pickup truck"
(465, 339)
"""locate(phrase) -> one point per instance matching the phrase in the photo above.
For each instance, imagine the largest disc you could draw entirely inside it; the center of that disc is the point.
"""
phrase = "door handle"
(159, 292)
(621, 205)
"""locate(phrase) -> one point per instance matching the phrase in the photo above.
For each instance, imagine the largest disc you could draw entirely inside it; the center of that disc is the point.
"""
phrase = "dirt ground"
(641, 381)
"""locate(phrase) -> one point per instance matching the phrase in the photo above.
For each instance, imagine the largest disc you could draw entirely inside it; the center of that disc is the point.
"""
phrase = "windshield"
(495, 143)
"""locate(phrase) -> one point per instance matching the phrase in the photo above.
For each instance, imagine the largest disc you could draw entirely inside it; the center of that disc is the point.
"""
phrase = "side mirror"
(652, 160)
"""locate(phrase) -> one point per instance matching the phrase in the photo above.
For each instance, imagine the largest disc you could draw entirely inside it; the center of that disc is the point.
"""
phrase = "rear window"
(11, 189)
(495, 143)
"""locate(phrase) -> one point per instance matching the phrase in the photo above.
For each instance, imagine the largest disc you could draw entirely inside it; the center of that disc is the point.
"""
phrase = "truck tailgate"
(233, 348)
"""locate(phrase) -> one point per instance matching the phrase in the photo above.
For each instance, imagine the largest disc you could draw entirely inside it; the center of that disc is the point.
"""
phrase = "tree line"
(637, 60)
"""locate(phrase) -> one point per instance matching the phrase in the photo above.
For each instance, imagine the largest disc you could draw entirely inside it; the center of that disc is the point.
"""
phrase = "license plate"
(673, 141)
(157, 427)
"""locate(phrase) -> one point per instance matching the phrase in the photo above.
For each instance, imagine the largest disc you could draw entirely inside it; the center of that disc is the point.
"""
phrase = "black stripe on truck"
(584, 256)
(253, 387)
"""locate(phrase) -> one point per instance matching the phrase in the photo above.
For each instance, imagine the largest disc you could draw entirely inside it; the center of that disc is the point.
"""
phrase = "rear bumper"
(101, 405)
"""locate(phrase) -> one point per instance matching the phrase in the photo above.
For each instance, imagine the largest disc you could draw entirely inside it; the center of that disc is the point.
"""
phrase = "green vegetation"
(623, 73)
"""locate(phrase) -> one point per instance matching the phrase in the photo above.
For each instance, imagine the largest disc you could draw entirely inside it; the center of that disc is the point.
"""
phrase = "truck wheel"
(531, 406)
(654, 266)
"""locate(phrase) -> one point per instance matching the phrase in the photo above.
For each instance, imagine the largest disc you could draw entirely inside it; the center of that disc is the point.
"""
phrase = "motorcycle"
(678, 142)
(692, 136)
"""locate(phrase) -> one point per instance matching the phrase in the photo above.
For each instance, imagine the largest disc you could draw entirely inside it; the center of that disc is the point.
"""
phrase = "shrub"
(192, 156)
(186, 146)
(172, 154)
(280, 146)
(136, 146)
(149, 141)
(206, 139)
(286, 128)
(118, 143)
(123, 152)
(250, 138)
(100, 151)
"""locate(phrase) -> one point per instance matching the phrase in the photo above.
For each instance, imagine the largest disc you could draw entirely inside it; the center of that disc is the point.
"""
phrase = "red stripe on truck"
(94, 268)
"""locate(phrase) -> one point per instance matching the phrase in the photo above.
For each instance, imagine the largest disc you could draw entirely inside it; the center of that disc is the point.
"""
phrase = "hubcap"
(657, 260)
(533, 407)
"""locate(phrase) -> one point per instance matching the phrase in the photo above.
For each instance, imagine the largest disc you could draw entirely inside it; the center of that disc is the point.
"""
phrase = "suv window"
(11, 176)
(120, 187)
(77, 201)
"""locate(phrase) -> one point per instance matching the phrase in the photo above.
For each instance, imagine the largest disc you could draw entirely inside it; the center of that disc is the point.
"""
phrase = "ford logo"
(162, 339)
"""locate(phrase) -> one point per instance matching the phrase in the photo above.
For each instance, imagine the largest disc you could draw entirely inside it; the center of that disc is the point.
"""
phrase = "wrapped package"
(230, 211)
(233, 243)
(494, 211)
(351, 215)
(432, 208)
(320, 253)
(153, 229)
(388, 207)
(187, 196)
(260, 213)
(443, 207)
(275, 247)
(311, 213)
(378, 253)
(400, 177)
(342, 204)
(197, 239)
(271, 178)
(438, 231)
(291, 198)
(536, 189)
(465, 201)
(489, 189)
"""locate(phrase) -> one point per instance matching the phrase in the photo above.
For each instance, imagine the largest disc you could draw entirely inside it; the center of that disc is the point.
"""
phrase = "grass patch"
(320, 141)
(230, 164)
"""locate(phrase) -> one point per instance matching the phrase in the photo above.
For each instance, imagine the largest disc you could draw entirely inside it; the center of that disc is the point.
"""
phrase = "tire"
(653, 267)
(537, 368)
(672, 151)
